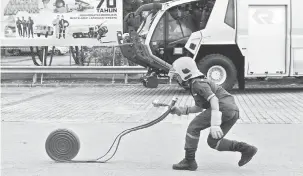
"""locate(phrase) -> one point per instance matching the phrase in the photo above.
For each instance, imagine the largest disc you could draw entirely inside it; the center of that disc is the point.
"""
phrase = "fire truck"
(230, 40)
(43, 30)
(96, 31)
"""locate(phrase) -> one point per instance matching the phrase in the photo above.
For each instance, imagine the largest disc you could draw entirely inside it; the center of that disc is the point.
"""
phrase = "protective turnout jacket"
(203, 90)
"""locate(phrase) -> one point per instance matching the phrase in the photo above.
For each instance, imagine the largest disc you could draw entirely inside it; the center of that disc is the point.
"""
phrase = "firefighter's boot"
(247, 151)
(188, 163)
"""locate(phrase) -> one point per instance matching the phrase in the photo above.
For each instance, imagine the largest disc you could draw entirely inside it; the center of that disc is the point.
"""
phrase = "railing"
(68, 69)
(75, 70)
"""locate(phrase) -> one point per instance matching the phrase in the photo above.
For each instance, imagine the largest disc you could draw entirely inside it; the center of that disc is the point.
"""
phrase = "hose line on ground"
(123, 133)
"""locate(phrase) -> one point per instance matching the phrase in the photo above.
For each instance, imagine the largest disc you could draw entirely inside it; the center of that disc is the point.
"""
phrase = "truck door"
(297, 38)
(181, 23)
(267, 36)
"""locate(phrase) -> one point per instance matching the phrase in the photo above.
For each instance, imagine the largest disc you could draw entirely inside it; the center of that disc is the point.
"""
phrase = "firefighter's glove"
(179, 110)
(216, 120)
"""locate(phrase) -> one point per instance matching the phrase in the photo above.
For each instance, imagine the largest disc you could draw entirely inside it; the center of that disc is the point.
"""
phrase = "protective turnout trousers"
(201, 122)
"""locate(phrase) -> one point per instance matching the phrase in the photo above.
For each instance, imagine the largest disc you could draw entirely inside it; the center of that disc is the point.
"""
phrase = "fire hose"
(63, 145)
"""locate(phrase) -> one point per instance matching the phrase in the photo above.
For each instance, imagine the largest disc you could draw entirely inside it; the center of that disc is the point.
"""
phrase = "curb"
(72, 85)
(300, 87)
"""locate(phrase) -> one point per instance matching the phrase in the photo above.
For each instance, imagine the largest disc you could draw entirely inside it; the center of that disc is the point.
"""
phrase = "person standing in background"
(57, 25)
(24, 25)
(30, 26)
(63, 24)
(19, 26)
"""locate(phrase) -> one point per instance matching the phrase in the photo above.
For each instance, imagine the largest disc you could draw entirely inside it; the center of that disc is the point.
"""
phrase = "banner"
(60, 22)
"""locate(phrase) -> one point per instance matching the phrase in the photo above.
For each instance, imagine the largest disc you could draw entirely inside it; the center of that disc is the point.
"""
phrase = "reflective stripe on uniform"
(211, 96)
(193, 137)
(218, 143)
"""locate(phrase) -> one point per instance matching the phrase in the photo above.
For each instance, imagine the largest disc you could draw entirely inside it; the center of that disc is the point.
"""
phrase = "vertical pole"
(43, 62)
(125, 63)
(114, 48)
(81, 56)
(113, 79)
(35, 78)
(126, 79)
(35, 75)
(70, 57)
(70, 60)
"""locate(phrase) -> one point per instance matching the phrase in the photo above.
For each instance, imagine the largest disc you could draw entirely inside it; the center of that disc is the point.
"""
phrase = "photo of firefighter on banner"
(61, 22)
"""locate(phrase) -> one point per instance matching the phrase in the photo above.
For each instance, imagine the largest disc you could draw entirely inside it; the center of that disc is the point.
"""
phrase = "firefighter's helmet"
(183, 69)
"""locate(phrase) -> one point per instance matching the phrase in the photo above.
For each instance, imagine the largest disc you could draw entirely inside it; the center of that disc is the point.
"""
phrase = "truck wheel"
(38, 35)
(46, 35)
(219, 69)
(80, 35)
(151, 82)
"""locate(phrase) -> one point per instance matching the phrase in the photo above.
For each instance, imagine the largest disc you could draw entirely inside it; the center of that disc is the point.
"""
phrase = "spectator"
(24, 25)
(19, 26)
(63, 24)
(30, 26)
(56, 24)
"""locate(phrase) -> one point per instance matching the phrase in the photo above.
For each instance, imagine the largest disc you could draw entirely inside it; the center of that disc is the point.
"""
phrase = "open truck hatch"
(136, 28)
(139, 53)
(156, 34)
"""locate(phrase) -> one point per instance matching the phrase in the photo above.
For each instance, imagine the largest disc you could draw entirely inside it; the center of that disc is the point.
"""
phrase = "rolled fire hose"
(63, 145)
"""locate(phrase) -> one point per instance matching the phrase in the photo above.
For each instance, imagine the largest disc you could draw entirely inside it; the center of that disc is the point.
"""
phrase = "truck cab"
(172, 30)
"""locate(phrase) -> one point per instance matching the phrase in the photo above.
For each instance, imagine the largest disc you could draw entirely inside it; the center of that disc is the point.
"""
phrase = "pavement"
(271, 119)
(150, 152)
(133, 103)
(97, 110)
